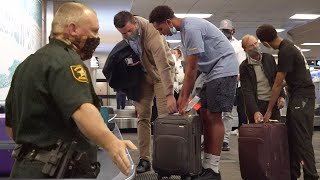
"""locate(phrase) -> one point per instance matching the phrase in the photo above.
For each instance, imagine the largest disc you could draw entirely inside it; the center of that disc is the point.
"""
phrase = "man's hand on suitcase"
(258, 117)
(171, 104)
(267, 116)
(182, 105)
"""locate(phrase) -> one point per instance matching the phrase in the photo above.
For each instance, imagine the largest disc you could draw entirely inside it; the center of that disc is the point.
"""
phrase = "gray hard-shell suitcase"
(264, 152)
(177, 145)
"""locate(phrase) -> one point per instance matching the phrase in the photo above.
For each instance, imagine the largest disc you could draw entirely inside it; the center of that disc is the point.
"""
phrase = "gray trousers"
(227, 122)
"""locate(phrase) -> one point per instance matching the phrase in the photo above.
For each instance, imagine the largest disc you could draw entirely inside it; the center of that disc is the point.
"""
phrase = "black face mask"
(87, 46)
(228, 34)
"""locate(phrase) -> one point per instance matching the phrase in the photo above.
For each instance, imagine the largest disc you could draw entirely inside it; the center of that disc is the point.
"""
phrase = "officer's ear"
(72, 30)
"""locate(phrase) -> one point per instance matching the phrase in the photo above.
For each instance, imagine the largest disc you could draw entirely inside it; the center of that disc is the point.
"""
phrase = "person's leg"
(227, 122)
(300, 116)
(123, 100)
(241, 109)
(143, 108)
(213, 132)
(217, 97)
(118, 100)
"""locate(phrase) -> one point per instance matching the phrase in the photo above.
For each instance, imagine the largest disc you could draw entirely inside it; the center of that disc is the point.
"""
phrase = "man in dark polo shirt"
(293, 68)
(51, 97)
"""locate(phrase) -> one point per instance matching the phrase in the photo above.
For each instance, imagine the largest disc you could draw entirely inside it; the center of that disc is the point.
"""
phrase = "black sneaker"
(209, 174)
(143, 166)
(225, 146)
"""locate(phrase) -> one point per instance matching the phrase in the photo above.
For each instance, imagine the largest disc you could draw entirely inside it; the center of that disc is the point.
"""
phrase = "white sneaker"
(235, 132)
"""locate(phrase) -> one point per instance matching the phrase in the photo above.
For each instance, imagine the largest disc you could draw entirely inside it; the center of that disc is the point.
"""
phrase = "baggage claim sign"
(20, 36)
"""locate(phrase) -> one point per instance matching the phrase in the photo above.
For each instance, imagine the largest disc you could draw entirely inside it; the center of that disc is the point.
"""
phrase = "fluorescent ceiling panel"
(193, 15)
(311, 44)
(280, 30)
(305, 16)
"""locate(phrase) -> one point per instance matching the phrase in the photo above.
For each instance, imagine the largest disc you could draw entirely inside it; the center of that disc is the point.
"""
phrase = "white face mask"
(254, 53)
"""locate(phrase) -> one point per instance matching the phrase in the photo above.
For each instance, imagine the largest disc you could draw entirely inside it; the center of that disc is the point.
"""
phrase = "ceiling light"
(305, 16)
(193, 15)
(280, 30)
(305, 50)
(311, 44)
(173, 41)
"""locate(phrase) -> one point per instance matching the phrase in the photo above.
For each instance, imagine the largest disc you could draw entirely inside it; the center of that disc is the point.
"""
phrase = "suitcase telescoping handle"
(273, 121)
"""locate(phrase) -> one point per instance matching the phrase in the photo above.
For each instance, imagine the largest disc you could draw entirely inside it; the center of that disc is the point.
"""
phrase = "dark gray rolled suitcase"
(264, 152)
(176, 145)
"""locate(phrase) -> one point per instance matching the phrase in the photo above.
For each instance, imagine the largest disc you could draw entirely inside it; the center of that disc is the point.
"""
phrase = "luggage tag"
(193, 103)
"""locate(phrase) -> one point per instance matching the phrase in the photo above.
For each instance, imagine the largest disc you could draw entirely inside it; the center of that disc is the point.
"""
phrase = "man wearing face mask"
(52, 100)
(208, 50)
(257, 75)
(228, 30)
(293, 67)
(155, 56)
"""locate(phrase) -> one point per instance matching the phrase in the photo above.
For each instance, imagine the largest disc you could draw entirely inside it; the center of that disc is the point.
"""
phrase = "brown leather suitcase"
(264, 152)
(177, 145)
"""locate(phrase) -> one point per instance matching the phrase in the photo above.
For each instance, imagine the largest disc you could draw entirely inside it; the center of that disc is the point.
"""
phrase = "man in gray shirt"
(210, 51)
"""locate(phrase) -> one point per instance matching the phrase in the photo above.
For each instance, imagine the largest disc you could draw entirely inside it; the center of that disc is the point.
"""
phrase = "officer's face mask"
(135, 35)
(86, 46)
(255, 52)
(227, 33)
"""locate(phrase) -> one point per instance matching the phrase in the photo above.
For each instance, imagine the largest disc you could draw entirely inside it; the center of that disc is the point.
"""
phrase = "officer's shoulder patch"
(79, 73)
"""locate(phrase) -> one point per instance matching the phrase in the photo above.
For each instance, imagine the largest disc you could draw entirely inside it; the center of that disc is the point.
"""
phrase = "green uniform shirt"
(46, 89)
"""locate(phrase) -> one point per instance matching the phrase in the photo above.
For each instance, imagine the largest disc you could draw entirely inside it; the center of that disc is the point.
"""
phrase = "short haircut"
(70, 12)
(267, 33)
(122, 18)
(160, 14)
(245, 39)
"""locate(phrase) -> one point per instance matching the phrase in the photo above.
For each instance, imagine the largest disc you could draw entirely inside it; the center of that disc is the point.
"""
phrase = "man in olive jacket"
(155, 56)
(257, 75)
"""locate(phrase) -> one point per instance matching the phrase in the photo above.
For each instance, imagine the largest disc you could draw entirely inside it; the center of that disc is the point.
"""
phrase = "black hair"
(160, 14)
(266, 32)
(122, 18)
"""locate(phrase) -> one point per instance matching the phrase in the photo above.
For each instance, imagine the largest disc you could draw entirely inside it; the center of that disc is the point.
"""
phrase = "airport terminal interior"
(25, 26)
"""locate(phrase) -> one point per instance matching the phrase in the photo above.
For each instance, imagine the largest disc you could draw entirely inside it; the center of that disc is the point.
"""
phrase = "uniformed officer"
(52, 98)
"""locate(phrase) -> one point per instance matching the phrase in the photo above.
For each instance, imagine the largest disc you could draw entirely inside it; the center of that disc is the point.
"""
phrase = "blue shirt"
(217, 57)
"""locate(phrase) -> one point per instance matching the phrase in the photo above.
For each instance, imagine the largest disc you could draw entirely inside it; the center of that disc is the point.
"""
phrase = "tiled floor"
(229, 165)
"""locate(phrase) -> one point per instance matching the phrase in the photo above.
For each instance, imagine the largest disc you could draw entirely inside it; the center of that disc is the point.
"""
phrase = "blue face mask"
(173, 30)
